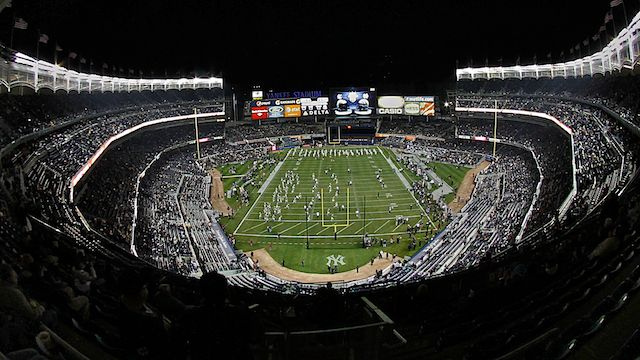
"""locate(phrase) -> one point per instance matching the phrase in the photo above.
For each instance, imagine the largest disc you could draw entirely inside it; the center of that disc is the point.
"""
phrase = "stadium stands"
(136, 264)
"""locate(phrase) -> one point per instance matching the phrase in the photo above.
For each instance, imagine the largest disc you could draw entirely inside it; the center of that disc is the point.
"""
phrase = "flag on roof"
(44, 38)
(19, 23)
(73, 55)
(58, 48)
(615, 3)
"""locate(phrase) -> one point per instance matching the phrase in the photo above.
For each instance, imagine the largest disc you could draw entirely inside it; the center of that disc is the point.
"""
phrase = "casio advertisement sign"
(383, 111)
(390, 105)
(406, 105)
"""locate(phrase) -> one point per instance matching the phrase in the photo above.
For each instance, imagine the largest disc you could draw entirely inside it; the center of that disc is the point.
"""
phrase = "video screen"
(358, 102)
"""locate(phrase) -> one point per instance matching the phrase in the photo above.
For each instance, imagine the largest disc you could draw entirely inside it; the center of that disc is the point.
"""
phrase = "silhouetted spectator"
(142, 329)
(216, 329)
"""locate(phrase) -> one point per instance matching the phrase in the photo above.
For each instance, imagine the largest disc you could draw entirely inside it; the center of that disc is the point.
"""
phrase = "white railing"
(621, 52)
(24, 71)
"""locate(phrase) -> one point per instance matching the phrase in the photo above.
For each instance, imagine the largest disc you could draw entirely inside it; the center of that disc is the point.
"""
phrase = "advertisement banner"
(256, 95)
(406, 105)
(274, 102)
(428, 109)
(391, 105)
(292, 111)
(314, 106)
(276, 111)
(259, 112)
(274, 108)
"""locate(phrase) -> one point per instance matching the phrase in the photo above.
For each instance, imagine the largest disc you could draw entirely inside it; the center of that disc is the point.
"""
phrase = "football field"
(332, 196)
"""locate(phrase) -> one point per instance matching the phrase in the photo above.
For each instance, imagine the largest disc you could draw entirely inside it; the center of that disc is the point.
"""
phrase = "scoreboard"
(353, 103)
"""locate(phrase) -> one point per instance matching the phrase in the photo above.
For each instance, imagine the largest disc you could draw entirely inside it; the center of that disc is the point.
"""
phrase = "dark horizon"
(408, 46)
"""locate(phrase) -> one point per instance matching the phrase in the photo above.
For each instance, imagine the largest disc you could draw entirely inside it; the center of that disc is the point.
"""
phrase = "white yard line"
(381, 226)
(328, 221)
(291, 227)
(404, 181)
(322, 236)
(267, 182)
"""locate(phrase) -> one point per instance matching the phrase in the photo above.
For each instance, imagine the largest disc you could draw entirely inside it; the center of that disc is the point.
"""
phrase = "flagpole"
(13, 28)
(613, 20)
(195, 119)
(624, 10)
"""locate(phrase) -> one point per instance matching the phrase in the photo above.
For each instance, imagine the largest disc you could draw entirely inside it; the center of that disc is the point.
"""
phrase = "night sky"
(307, 44)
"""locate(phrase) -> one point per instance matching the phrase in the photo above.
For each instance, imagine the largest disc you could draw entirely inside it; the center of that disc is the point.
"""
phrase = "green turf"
(288, 235)
(449, 197)
(234, 169)
(449, 173)
(315, 258)
(231, 223)
(408, 174)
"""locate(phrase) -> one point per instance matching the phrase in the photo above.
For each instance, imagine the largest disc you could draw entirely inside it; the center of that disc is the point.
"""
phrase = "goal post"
(334, 225)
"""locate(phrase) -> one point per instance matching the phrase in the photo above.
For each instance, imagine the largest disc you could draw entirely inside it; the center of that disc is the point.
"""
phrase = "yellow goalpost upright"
(335, 226)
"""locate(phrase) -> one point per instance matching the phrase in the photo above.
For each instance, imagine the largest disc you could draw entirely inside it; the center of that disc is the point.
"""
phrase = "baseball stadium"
(201, 181)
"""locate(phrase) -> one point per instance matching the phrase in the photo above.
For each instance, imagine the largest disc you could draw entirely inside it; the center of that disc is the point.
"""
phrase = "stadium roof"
(296, 44)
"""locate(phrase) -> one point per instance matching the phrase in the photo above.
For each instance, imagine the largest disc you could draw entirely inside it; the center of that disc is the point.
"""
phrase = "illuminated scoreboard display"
(342, 103)
(290, 105)
(275, 108)
(354, 102)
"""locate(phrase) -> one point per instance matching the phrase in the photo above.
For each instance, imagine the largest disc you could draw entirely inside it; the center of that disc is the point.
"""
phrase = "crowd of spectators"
(176, 225)
(22, 115)
(107, 201)
(48, 277)
(252, 130)
(418, 126)
(603, 158)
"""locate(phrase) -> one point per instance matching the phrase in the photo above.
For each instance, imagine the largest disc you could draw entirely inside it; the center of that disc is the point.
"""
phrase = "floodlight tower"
(195, 119)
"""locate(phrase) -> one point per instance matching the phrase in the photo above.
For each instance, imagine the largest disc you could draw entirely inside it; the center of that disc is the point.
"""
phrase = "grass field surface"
(335, 194)
(451, 174)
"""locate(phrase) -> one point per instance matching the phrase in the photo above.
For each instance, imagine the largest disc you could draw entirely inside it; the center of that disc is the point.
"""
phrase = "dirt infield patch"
(269, 265)
(217, 194)
(466, 188)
